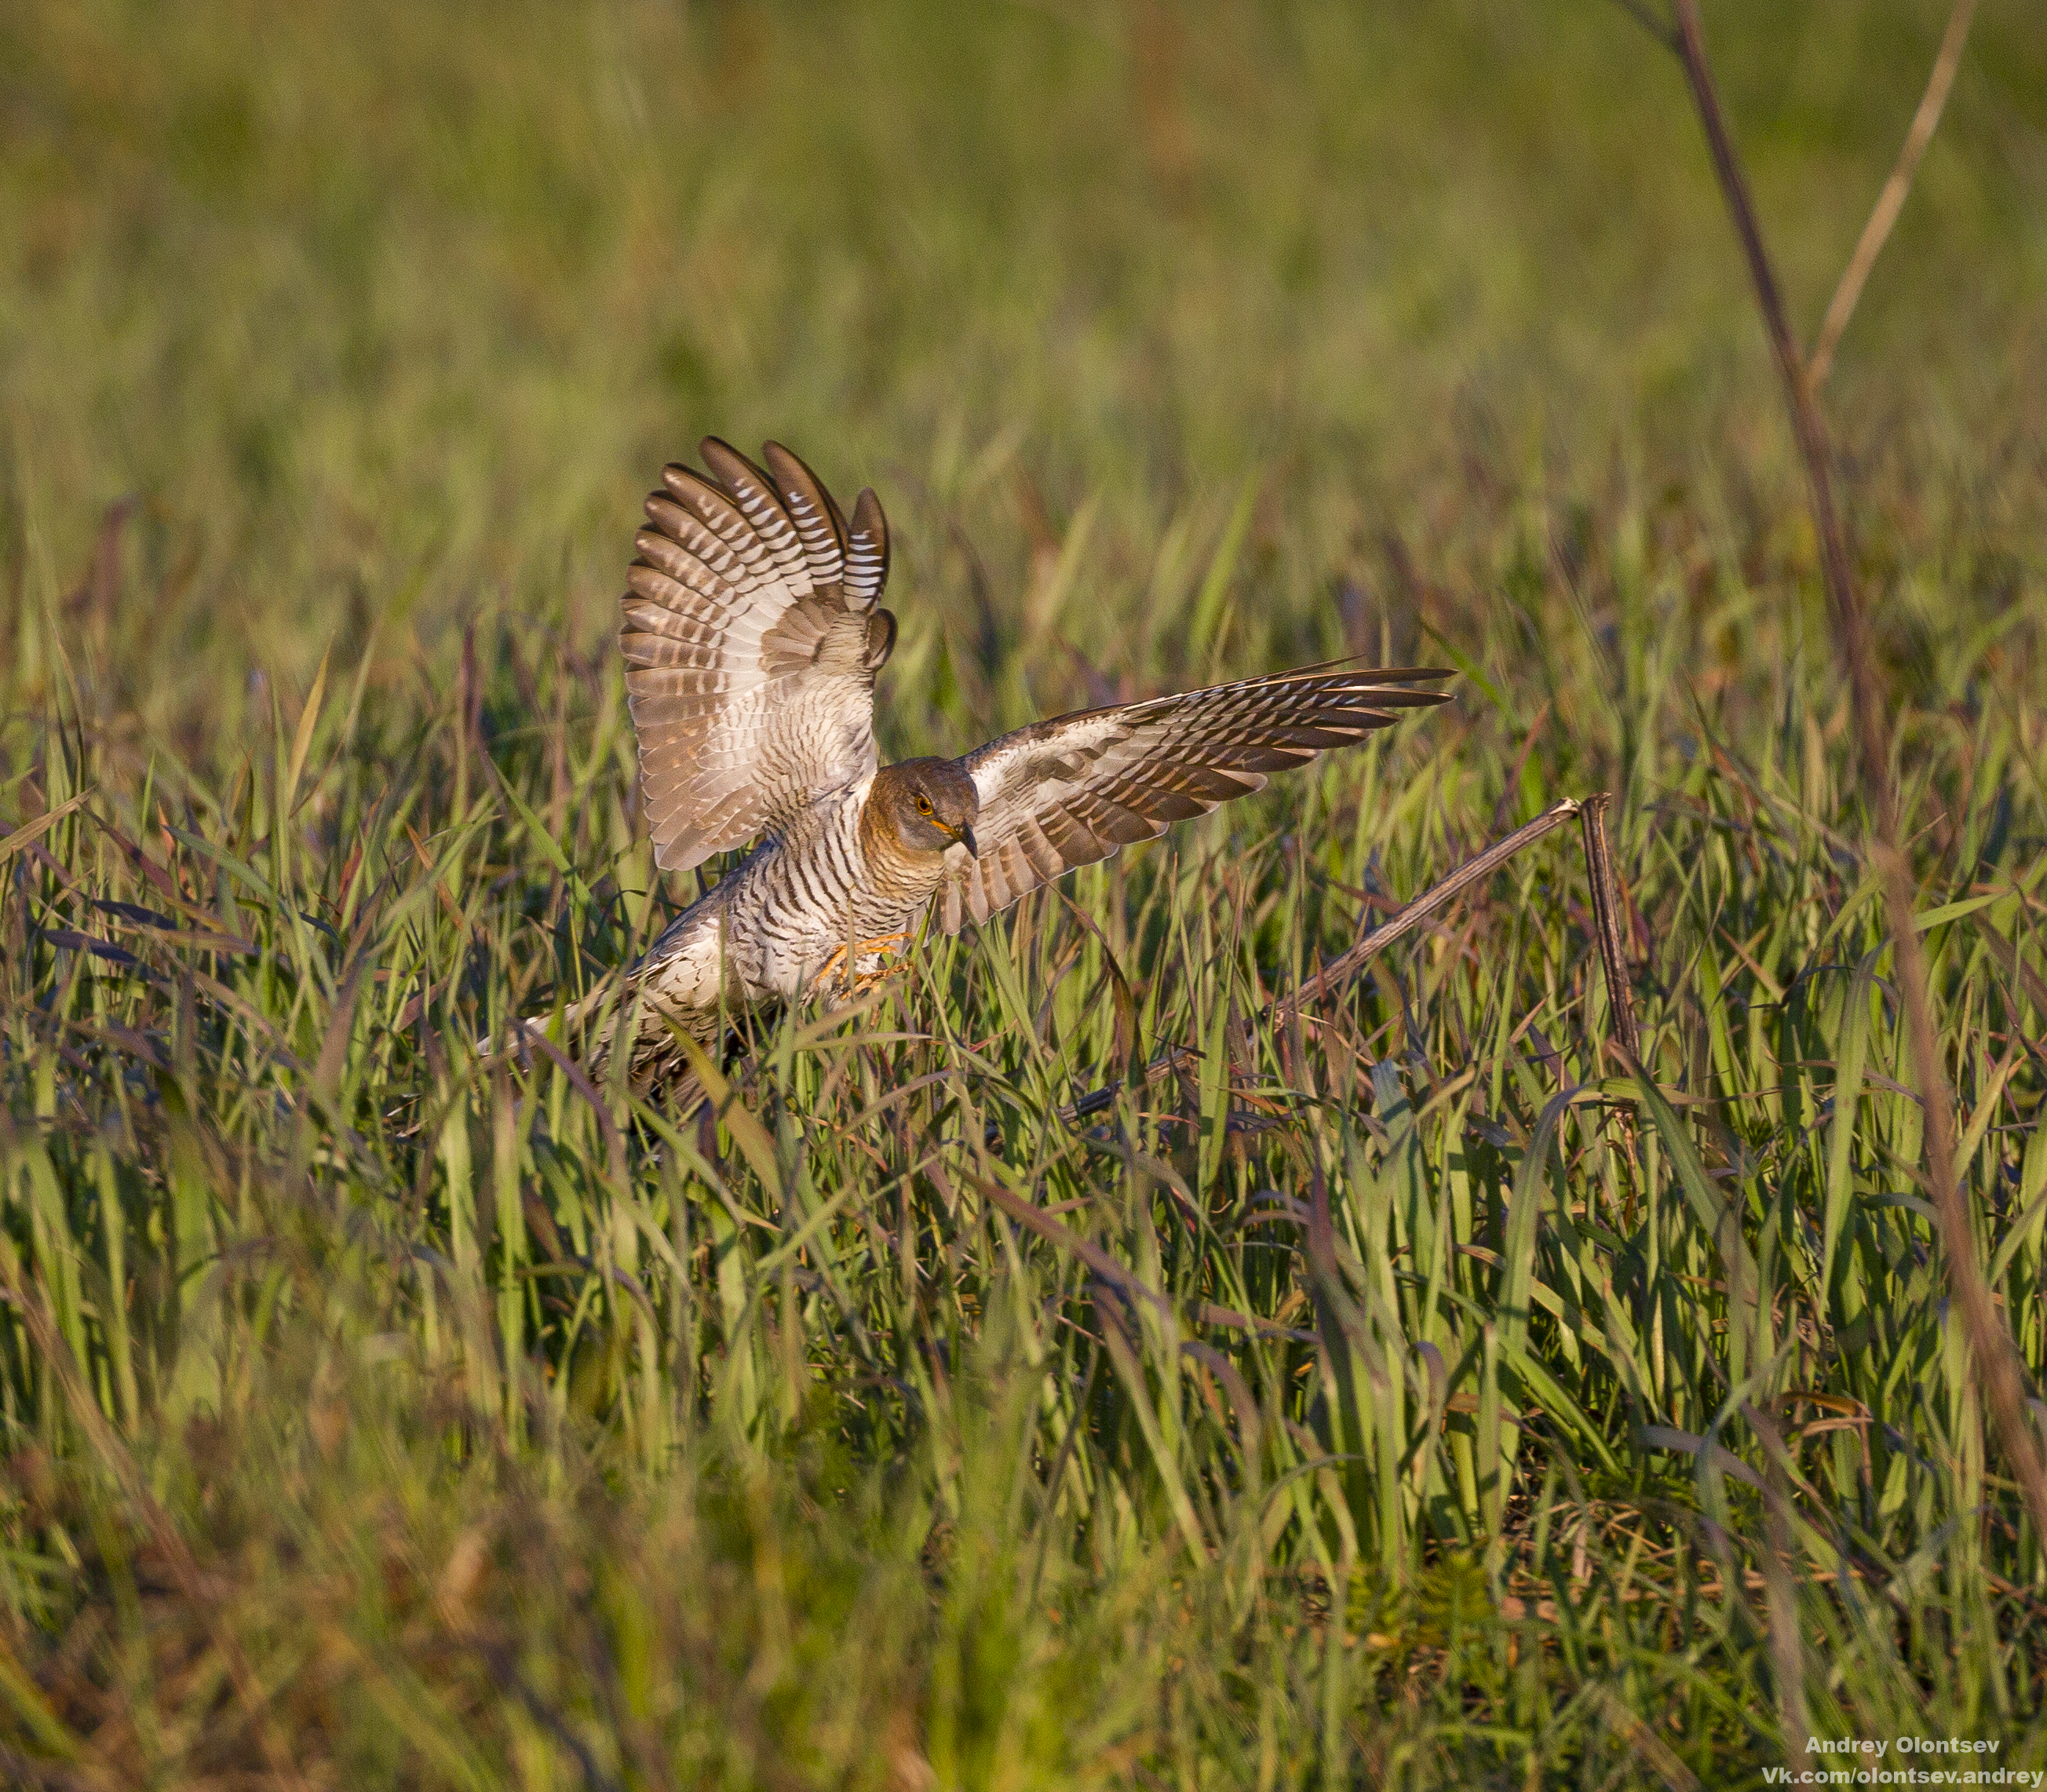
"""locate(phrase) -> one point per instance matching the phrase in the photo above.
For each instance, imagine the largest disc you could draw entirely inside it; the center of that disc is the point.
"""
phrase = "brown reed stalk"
(1606, 925)
(1891, 201)
(1996, 1357)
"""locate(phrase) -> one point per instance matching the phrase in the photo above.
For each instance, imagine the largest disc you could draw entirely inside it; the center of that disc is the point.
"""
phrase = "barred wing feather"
(1068, 791)
(751, 637)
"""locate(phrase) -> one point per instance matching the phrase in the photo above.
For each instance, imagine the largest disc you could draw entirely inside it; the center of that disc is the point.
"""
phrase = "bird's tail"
(594, 1029)
(584, 1035)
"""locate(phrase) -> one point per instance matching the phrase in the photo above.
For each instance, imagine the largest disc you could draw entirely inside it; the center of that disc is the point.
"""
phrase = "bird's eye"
(923, 805)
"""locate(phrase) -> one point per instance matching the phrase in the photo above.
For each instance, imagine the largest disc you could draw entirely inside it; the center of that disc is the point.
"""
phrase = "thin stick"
(1606, 924)
(1996, 1357)
(1891, 200)
(1397, 927)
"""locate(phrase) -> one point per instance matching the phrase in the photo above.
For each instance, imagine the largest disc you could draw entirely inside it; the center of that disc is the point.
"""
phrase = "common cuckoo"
(753, 635)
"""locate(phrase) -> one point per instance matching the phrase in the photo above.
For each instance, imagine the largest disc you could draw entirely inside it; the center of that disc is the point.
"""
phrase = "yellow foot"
(836, 964)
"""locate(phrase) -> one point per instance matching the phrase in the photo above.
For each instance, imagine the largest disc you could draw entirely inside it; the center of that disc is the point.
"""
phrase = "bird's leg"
(844, 961)
(876, 945)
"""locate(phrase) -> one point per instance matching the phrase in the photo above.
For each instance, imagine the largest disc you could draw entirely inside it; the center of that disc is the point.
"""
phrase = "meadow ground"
(377, 1414)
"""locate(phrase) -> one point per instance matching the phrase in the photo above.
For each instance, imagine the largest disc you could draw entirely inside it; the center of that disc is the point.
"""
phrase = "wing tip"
(675, 856)
(866, 551)
(818, 524)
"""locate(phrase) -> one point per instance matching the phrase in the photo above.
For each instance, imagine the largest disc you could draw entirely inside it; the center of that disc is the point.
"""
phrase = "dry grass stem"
(1891, 201)
(1996, 1358)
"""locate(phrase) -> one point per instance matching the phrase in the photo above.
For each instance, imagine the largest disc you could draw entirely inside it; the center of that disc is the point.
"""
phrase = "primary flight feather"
(753, 635)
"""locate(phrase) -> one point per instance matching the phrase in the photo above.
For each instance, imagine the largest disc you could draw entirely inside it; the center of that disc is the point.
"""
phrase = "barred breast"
(806, 904)
(788, 912)
(826, 905)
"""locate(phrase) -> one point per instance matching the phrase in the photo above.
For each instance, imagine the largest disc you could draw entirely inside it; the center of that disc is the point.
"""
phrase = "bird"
(753, 634)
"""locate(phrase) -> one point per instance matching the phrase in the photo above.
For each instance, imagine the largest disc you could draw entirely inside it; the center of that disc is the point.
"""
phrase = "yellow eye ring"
(923, 805)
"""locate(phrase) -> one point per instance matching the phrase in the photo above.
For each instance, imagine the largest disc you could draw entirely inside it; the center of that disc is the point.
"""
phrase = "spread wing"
(751, 639)
(1068, 791)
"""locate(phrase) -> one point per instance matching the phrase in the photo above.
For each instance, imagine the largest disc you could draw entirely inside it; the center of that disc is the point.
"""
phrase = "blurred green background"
(392, 312)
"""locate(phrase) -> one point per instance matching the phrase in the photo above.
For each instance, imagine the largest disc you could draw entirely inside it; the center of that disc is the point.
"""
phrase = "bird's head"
(928, 804)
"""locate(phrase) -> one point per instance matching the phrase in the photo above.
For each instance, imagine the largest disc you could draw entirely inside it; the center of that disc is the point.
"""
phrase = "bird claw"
(835, 965)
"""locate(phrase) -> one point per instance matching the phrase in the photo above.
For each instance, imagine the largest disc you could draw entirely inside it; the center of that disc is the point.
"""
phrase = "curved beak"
(964, 835)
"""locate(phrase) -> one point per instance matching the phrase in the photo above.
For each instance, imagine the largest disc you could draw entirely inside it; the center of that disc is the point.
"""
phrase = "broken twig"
(1606, 906)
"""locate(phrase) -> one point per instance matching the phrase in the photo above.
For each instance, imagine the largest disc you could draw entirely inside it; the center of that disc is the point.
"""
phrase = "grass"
(379, 1413)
